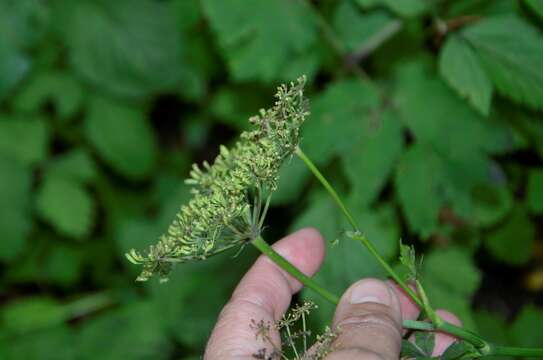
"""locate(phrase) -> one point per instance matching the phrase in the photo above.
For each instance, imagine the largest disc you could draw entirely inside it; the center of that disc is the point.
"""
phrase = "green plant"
(230, 202)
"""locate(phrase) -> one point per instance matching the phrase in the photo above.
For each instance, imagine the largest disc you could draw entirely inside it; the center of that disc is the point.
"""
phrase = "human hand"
(368, 317)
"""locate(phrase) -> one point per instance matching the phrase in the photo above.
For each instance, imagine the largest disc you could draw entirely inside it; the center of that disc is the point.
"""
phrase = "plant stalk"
(284, 264)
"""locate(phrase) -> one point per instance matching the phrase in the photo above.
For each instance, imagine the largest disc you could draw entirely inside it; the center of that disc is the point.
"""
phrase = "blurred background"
(426, 116)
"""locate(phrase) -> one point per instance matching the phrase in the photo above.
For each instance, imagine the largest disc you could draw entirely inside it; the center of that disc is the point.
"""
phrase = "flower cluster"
(227, 207)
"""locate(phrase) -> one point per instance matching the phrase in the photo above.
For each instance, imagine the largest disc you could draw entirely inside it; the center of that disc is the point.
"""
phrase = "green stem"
(496, 350)
(371, 248)
(284, 264)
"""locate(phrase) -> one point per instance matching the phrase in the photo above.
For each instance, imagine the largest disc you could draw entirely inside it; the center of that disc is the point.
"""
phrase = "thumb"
(368, 321)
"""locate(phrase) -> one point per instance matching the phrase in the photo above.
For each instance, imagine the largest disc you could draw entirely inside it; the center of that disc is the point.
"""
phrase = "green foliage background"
(436, 138)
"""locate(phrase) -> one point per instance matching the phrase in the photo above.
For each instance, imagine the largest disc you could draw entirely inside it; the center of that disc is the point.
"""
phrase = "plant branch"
(358, 234)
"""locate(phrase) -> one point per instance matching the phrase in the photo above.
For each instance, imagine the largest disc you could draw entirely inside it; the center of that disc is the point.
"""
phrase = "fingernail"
(370, 290)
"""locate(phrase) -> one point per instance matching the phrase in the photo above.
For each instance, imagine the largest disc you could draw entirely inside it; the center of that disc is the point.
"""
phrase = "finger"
(263, 296)
(409, 309)
(443, 340)
(368, 320)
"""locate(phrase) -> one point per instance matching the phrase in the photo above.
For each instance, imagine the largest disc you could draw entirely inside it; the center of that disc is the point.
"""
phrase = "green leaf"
(235, 105)
(454, 269)
(22, 23)
(526, 329)
(511, 52)
(410, 350)
(32, 314)
(418, 188)
(492, 202)
(409, 260)
(123, 138)
(369, 163)
(15, 192)
(259, 47)
(339, 118)
(438, 116)
(513, 240)
(65, 93)
(536, 6)
(450, 278)
(133, 50)
(75, 164)
(534, 192)
(62, 265)
(405, 8)
(356, 29)
(38, 344)
(460, 66)
(175, 300)
(425, 341)
(293, 176)
(24, 139)
(144, 337)
(13, 68)
(460, 350)
(66, 205)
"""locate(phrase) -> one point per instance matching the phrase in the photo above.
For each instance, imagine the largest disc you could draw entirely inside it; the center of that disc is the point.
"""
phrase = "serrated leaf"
(534, 192)
(406, 8)
(513, 240)
(437, 115)
(128, 47)
(409, 260)
(66, 205)
(511, 52)
(340, 117)
(247, 30)
(15, 191)
(460, 66)
(369, 163)
(123, 138)
(24, 139)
